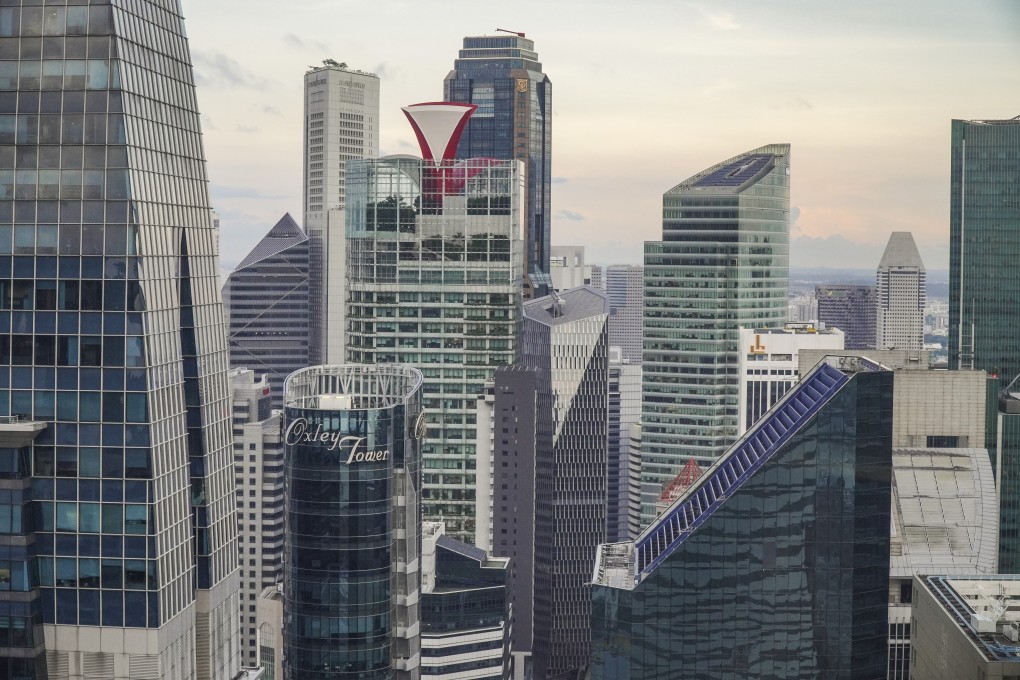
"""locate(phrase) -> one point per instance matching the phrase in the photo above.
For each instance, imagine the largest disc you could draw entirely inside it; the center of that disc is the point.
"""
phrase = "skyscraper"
(625, 285)
(258, 469)
(435, 262)
(984, 245)
(502, 76)
(775, 563)
(565, 340)
(723, 263)
(623, 520)
(851, 309)
(341, 124)
(901, 294)
(352, 561)
(266, 298)
(114, 355)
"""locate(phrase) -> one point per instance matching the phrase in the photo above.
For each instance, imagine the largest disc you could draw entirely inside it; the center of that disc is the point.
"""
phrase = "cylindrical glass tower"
(353, 538)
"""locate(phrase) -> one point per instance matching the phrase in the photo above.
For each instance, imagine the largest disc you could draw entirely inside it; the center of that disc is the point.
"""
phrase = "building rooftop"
(986, 609)
(901, 251)
(285, 234)
(568, 305)
(736, 174)
(333, 65)
(799, 329)
(944, 515)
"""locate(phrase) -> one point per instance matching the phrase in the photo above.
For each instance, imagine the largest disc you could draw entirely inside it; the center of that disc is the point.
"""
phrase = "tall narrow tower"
(118, 470)
(900, 295)
(341, 124)
(722, 263)
(984, 246)
(502, 76)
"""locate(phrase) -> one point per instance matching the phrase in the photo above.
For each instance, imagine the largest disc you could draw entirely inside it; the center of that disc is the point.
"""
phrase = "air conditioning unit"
(1011, 632)
(982, 624)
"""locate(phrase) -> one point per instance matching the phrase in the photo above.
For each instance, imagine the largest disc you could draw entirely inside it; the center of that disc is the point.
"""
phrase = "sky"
(646, 93)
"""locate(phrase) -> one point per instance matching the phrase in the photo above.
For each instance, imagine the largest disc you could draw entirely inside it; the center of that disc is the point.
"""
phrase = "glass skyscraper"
(722, 263)
(502, 76)
(266, 298)
(352, 557)
(851, 309)
(984, 246)
(775, 562)
(434, 270)
(120, 539)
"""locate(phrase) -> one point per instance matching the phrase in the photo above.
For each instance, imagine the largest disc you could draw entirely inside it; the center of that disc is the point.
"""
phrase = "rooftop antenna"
(519, 34)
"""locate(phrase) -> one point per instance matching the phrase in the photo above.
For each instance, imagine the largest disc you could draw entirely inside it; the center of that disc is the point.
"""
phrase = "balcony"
(17, 432)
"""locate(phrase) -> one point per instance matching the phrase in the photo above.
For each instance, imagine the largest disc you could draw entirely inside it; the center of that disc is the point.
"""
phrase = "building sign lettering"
(300, 432)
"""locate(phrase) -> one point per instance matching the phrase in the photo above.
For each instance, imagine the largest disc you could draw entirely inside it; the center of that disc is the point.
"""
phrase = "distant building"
(625, 287)
(568, 268)
(266, 299)
(900, 295)
(352, 562)
(341, 123)
(464, 610)
(675, 490)
(851, 309)
(565, 340)
(722, 263)
(983, 247)
(967, 626)
(711, 589)
(623, 520)
(769, 364)
(501, 75)
(1004, 408)
(803, 309)
(258, 471)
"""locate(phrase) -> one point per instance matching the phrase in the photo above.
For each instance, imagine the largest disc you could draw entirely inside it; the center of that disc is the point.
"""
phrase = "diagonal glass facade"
(722, 263)
(112, 337)
(775, 564)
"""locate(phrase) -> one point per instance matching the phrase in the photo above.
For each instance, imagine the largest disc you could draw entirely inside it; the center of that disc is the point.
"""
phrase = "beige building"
(966, 628)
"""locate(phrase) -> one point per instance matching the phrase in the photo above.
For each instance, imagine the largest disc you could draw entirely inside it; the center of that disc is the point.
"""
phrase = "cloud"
(559, 180)
(722, 21)
(266, 109)
(719, 87)
(382, 70)
(569, 215)
(222, 192)
(247, 129)
(294, 42)
(216, 69)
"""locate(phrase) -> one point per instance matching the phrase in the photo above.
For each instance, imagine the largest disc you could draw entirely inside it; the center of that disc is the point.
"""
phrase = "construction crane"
(519, 34)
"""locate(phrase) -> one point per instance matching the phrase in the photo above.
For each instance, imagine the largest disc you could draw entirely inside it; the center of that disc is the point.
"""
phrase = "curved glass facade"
(351, 453)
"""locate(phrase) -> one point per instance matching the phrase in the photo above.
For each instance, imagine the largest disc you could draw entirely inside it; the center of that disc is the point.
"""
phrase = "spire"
(438, 127)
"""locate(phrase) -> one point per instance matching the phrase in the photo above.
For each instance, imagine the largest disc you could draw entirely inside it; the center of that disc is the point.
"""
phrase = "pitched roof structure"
(901, 251)
(284, 235)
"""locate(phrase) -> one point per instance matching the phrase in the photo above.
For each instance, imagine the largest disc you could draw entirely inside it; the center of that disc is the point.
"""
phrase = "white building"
(568, 269)
(258, 468)
(625, 286)
(341, 124)
(624, 474)
(769, 361)
(900, 295)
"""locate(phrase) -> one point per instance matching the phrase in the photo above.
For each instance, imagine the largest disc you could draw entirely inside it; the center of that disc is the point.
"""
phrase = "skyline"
(864, 94)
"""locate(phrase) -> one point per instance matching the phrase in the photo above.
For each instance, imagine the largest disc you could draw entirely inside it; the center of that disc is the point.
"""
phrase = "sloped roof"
(284, 235)
(901, 251)
(569, 305)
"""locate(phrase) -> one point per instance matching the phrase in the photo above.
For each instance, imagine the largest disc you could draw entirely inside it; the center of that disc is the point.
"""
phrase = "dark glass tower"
(851, 309)
(775, 563)
(984, 246)
(352, 556)
(113, 346)
(267, 306)
(501, 74)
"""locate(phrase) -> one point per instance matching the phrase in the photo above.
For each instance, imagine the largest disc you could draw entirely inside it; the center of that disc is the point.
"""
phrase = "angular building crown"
(285, 234)
(901, 251)
(438, 127)
(736, 174)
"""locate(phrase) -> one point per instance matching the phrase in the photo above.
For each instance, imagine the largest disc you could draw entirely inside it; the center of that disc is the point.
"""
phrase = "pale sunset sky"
(645, 94)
